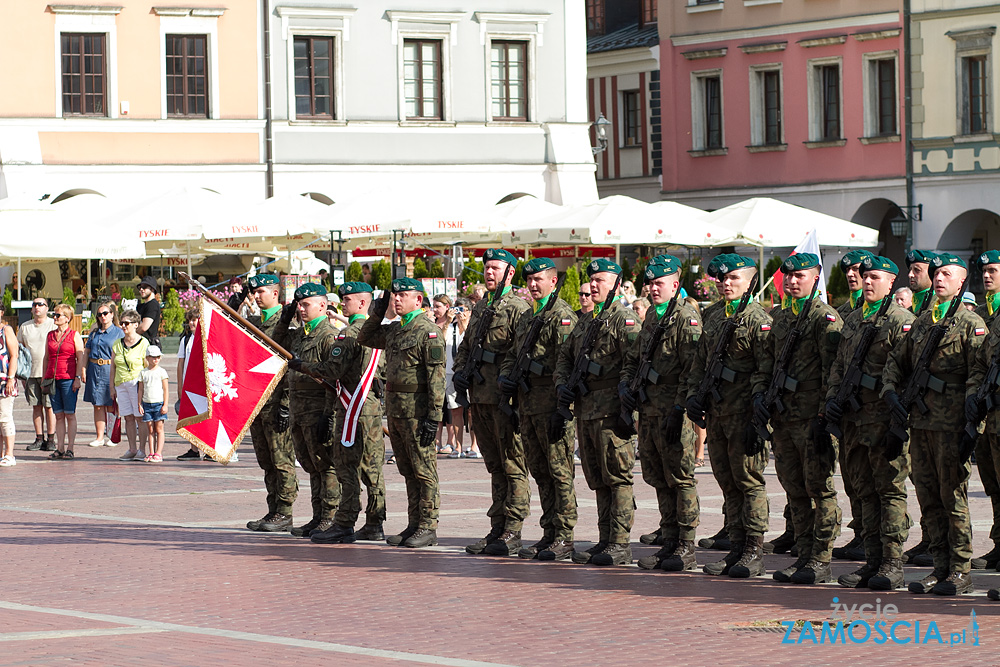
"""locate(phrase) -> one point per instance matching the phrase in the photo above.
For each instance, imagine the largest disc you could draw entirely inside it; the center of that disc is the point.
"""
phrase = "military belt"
(729, 375)
(489, 357)
(655, 378)
(939, 383)
(405, 388)
(540, 380)
(607, 383)
(793, 385)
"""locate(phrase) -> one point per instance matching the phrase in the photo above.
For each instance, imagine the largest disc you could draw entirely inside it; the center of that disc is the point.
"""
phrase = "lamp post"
(901, 224)
(601, 125)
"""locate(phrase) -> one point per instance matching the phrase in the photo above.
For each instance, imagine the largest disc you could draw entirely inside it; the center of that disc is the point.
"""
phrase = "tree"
(173, 314)
(836, 286)
(381, 275)
(437, 269)
(571, 288)
(419, 269)
(471, 274)
(627, 271)
(354, 273)
(518, 280)
(770, 269)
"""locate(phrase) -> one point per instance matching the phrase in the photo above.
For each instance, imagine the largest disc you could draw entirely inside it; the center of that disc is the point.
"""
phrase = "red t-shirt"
(62, 356)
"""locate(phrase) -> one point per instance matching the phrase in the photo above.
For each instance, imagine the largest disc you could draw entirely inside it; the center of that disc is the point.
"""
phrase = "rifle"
(581, 367)
(523, 362)
(854, 379)
(985, 397)
(715, 371)
(637, 385)
(475, 359)
(779, 376)
(921, 378)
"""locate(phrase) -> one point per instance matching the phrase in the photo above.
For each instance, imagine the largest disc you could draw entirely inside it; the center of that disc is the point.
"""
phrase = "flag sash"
(353, 404)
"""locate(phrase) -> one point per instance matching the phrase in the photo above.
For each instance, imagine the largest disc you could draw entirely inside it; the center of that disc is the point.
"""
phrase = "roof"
(629, 37)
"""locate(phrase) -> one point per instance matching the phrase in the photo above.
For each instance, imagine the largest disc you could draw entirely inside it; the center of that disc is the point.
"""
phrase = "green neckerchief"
(312, 324)
(992, 303)
(732, 306)
(540, 303)
(871, 308)
(855, 297)
(355, 317)
(489, 297)
(268, 313)
(919, 297)
(598, 307)
(794, 304)
(410, 316)
(939, 309)
(661, 309)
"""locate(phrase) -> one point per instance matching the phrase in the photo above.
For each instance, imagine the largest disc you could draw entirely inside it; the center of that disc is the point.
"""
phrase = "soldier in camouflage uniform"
(667, 462)
(414, 398)
(550, 462)
(880, 483)
(741, 477)
(803, 459)
(311, 343)
(500, 445)
(359, 450)
(607, 458)
(940, 475)
(850, 264)
(989, 264)
(269, 430)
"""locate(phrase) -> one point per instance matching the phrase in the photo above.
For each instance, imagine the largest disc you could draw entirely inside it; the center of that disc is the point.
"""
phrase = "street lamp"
(900, 222)
(601, 124)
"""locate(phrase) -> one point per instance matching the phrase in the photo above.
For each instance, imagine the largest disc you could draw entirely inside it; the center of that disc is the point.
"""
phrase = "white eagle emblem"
(220, 382)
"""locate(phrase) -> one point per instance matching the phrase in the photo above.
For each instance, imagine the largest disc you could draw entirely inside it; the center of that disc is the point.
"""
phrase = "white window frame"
(511, 27)
(530, 54)
(971, 44)
(757, 115)
(869, 78)
(446, 30)
(182, 21)
(94, 20)
(338, 36)
(815, 92)
(699, 131)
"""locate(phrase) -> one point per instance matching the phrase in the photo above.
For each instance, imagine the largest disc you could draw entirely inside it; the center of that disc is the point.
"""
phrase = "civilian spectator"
(903, 297)
(586, 300)
(32, 335)
(8, 392)
(64, 366)
(149, 311)
(628, 292)
(115, 290)
(97, 364)
(969, 301)
(366, 273)
(127, 359)
(454, 332)
(640, 306)
(154, 394)
(477, 292)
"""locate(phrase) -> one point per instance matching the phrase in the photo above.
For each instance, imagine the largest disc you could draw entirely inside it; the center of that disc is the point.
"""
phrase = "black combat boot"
(989, 560)
(479, 546)
(255, 524)
(656, 537)
(613, 554)
(781, 544)
(421, 537)
(861, 576)
(305, 529)
(889, 576)
(751, 562)
(785, 575)
(814, 572)
(681, 559)
(583, 557)
(370, 532)
(993, 594)
(853, 550)
(507, 544)
(337, 534)
(957, 583)
(531, 552)
(723, 566)
(653, 561)
(927, 584)
(276, 523)
(558, 550)
(719, 542)
(396, 540)
(914, 551)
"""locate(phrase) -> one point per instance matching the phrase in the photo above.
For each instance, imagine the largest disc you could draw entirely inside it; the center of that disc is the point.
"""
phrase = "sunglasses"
(586, 294)
(39, 304)
(57, 316)
(126, 322)
(102, 313)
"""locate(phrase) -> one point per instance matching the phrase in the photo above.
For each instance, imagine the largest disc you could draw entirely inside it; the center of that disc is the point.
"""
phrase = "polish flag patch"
(980, 331)
(564, 323)
(629, 323)
(906, 328)
(341, 337)
(693, 322)
(765, 327)
(432, 334)
(831, 318)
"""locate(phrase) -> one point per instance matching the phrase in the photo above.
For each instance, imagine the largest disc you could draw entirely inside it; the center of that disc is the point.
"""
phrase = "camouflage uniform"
(985, 446)
(740, 477)
(415, 389)
(500, 446)
(805, 474)
(361, 462)
(881, 484)
(550, 463)
(607, 460)
(275, 454)
(667, 467)
(941, 480)
(307, 404)
(853, 303)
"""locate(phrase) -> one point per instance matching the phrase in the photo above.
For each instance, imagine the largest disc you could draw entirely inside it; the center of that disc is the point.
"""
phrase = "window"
(765, 106)
(973, 51)
(648, 13)
(881, 105)
(595, 18)
(706, 111)
(422, 79)
(772, 107)
(975, 119)
(713, 112)
(631, 118)
(508, 80)
(825, 111)
(187, 75)
(84, 88)
(314, 77)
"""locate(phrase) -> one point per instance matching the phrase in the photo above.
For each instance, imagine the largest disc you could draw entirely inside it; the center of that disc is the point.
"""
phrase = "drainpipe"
(908, 124)
(268, 136)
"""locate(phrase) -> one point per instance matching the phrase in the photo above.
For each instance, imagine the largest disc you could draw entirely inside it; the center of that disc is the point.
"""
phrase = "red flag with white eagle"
(230, 375)
(809, 244)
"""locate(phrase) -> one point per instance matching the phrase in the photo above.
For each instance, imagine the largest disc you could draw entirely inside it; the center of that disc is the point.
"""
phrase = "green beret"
(727, 262)
(662, 265)
(918, 256)
(878, 263)
(713, 266)
(947, 259)
(407, 285)
(262, 279)
(354, 288)
(800, 261)
(852, 258)
(600, 264)
(989, 257)
(536, 265)
(499, 254)
(308, 290)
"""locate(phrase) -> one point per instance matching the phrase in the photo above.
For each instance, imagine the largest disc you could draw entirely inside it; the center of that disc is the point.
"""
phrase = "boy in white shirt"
(154, 389)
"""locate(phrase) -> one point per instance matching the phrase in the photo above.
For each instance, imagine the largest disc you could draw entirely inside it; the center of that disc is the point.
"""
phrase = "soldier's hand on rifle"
(626, 397)
(820, 438)
(675, 423)
(966, 448)
(893, 447)
(974, 412)
(557, 427)
(507, 386)
(760, 411)
(295, 364)
(564, 397)
(896, 409)
(324, 427)
(281, 419)
(752, 444)
(461, 382)
(833, 411)
(427, 432)
(695, 410)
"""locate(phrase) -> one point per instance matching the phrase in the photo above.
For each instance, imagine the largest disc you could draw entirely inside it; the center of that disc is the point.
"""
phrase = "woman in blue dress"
(97, 361)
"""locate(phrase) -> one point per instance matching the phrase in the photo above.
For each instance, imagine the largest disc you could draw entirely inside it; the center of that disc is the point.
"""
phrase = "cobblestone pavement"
(112, 563)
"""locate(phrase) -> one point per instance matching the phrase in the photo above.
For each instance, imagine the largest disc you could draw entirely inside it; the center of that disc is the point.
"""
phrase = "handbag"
(116, 430)
(47, 385)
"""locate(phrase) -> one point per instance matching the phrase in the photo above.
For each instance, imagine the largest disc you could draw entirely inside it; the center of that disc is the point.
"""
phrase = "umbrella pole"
(20, 279)
(90, 287)
(187, 251)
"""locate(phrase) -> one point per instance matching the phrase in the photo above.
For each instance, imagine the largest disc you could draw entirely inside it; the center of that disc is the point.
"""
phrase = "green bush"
(8, 300)
(471, 274)
(770, 269)
(381, 275)
(354, 273)
(419, 269)
(437, 269)
(836, 286)
(68, 297)
(128, 292)
(173, 314)
(571, 288)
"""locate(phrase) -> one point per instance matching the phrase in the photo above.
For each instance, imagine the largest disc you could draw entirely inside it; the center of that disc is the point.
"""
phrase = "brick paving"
(111, 563)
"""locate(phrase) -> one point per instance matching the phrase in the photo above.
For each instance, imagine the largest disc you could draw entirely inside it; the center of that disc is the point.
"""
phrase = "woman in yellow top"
(128, 358)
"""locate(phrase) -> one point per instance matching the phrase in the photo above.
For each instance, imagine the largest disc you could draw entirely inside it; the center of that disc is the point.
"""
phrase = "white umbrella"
(664, 223)
(274, 217)
(52, 234)
(771, 223)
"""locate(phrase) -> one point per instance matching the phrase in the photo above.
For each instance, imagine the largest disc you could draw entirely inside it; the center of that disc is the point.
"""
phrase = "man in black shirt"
(149, 310)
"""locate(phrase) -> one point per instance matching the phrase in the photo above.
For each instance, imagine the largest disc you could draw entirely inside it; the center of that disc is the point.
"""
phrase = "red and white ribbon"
(353, 404)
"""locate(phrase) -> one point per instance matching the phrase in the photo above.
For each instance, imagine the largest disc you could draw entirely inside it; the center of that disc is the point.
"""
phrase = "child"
(153, 401)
